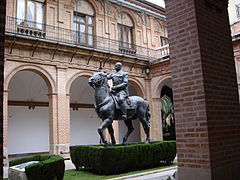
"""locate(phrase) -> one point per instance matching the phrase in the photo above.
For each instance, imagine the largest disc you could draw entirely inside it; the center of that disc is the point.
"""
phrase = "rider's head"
(118, 66)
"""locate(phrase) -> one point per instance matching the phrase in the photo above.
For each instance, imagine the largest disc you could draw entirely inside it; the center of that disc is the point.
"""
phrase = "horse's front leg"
(129, 131)
(111, 132)
(101, 128)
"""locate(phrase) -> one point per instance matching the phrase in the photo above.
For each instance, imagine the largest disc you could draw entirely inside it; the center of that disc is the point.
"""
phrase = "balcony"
(55, 34)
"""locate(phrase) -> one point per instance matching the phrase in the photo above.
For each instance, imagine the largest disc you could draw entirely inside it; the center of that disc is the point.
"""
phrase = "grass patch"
(80, 174)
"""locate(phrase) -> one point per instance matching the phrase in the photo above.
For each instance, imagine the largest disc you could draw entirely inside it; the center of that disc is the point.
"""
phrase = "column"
(5, 127)
(60, 115)
(204, 89)
(53, 124)
(155, 110)
(63, 117)
(2, 34)
(156, 119)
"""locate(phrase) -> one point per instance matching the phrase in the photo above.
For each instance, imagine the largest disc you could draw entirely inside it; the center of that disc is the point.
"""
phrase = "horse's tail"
(148, 115)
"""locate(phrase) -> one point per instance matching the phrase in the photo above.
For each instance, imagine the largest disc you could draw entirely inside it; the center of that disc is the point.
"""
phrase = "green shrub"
(49, 167)
(119, 159)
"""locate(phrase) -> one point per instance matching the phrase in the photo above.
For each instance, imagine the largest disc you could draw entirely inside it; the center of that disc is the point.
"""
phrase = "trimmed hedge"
(119, 159)
(49, 167)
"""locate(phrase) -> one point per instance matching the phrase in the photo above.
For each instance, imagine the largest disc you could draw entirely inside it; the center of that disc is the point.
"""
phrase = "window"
(125, 36)
(83, 23)
(83, 28)
(125, 31)
(30, 13)
(163, 41)
(238, 9)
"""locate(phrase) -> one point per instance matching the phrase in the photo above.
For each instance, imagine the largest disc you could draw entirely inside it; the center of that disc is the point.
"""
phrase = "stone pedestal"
(18, 172)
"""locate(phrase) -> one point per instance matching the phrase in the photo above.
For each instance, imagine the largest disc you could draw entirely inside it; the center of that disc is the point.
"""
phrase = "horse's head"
(98, 79)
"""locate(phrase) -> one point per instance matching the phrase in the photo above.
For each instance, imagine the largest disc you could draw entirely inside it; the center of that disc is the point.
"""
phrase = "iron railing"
(67, 36)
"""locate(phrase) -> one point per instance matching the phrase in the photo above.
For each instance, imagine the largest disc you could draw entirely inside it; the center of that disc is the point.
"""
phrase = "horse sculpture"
(106, 108)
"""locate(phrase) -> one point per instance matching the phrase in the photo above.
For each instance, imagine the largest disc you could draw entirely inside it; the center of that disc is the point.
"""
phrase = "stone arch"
(129, 13)
(160, 83)
(138, 86)
(34, 68)
(83, 119)
(157, 26)
(75, 76)
(92, 3)
(37, 120)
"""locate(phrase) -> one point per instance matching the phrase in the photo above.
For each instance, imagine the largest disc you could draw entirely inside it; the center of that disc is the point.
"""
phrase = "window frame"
(86, 33)
(127, 29)
(162, 40)
(26, 21)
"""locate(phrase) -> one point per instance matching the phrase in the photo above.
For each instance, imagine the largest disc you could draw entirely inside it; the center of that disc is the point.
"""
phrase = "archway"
(168, 128)
(167, 91)
(28, 113)
(84, 120)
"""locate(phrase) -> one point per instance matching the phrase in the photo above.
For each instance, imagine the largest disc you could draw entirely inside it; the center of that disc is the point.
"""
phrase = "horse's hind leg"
(101, 128)
(146, 128)
(111, 132)
(130, 130)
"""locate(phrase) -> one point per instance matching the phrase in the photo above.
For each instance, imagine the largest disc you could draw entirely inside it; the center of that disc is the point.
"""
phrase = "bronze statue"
(107, 106)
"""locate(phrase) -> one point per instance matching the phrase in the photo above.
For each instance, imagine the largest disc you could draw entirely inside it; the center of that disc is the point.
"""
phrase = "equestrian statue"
(115, 104)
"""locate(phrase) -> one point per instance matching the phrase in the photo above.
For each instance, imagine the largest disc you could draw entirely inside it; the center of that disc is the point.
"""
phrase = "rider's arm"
(109, 76)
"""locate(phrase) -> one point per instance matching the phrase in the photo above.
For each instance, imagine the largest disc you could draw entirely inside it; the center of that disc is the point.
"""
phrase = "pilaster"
(5, 127)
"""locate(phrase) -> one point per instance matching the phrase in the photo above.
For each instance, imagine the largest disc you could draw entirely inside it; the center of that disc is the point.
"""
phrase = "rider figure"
(119, 88)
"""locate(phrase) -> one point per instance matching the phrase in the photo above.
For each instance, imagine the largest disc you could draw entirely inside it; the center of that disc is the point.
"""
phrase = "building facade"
(52, 47)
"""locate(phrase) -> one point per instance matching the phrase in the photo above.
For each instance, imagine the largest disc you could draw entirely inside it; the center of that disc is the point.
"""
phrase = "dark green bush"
(119, 159)
(49, 167)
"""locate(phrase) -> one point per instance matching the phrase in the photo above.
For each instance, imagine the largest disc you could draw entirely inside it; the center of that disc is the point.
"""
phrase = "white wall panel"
(28, 130)
(84, 124)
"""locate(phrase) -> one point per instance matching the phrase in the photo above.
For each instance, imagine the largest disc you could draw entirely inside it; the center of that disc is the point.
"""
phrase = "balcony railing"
(67, 36)
(164, 51)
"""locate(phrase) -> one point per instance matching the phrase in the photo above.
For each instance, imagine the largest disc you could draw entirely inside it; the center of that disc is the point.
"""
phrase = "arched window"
(125, 30)
(83, 23)
(30, 13)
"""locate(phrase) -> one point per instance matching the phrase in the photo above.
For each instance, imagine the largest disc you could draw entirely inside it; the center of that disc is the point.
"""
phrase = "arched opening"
(84, 120)
(28, 114)
(167, 91)
(167, 112)
(136, 135)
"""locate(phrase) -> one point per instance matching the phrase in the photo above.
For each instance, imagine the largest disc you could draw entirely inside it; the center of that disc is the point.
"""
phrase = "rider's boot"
(124, 111)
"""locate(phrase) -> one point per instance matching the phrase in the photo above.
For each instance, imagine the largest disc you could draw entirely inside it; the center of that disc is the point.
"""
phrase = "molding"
(75, 106)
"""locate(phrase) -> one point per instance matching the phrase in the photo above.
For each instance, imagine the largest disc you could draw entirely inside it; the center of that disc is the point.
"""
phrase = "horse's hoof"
(124, 143)
(108, 143)
(147, 141)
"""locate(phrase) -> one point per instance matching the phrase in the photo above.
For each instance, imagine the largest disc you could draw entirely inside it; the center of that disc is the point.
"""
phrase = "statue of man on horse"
(107, 103)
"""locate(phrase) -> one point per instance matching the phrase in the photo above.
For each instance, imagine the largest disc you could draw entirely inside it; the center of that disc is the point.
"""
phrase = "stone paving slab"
(161, 174)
